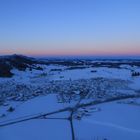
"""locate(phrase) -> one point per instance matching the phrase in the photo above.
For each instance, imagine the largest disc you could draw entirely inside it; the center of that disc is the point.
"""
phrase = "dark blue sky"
(70, 27)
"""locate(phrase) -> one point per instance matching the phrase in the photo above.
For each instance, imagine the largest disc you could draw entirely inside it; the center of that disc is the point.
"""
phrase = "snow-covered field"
(40, 105)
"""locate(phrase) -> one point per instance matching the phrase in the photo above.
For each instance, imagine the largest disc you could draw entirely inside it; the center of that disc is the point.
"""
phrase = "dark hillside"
(19, 62)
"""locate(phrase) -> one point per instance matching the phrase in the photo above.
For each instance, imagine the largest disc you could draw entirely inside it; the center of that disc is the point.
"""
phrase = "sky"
(70, 27)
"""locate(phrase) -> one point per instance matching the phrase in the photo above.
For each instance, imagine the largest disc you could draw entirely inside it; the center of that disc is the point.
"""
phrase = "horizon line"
(77, 56)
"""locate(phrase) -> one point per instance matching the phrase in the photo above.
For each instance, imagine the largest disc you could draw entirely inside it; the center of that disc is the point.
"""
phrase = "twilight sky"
(70, 27)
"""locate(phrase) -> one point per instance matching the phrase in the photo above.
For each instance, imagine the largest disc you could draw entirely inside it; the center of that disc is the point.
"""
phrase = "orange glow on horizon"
(80, 49)
(72, 53)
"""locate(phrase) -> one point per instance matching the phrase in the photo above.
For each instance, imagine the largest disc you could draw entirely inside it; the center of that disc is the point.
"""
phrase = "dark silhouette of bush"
(11, 109)
(39, 68)
(5, 70)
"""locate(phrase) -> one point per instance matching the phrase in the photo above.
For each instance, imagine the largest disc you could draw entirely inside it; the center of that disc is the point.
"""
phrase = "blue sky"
(70, 27)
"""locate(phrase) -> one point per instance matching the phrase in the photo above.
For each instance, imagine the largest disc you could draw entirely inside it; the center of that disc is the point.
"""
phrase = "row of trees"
(136, 74)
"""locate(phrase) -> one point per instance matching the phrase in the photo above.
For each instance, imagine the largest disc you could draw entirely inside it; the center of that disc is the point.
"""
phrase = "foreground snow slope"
(37, 130)
(36, 106)
(114, 122)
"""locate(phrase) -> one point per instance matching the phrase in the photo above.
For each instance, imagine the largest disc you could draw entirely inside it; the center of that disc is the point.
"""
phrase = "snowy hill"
(7, 63)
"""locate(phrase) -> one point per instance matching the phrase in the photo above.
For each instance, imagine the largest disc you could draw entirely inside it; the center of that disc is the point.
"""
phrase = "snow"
(114, 121)
(37, 130)
(40, 90)
(136, 83)
(37, 106)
